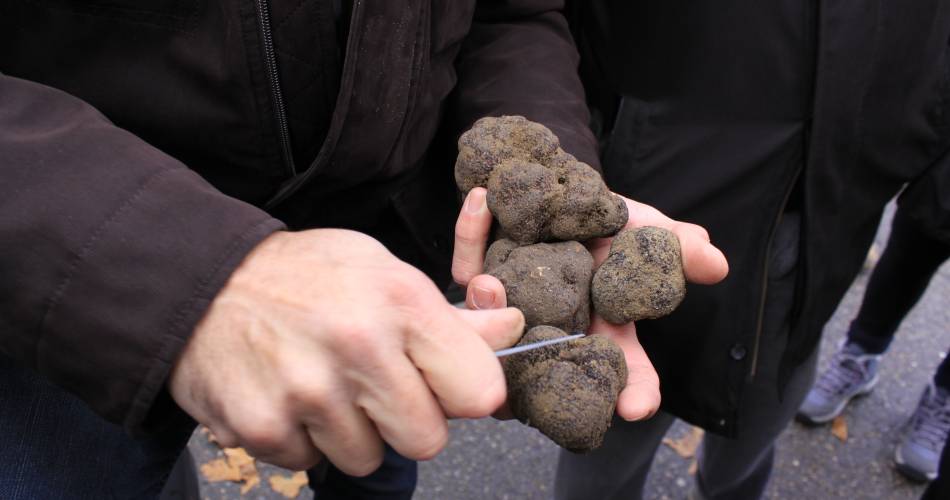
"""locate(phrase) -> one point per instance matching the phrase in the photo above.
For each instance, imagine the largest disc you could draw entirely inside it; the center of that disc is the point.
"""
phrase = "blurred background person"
(915, 250)
(783, 128)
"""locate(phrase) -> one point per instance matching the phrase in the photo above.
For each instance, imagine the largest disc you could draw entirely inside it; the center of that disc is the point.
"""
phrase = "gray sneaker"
(852, 373)
(918, 455)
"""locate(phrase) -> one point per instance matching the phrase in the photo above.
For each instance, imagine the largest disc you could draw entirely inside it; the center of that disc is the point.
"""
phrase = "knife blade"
(527, 347)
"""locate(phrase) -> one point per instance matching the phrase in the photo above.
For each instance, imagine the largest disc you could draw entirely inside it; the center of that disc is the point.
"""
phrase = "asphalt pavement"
(488, 459)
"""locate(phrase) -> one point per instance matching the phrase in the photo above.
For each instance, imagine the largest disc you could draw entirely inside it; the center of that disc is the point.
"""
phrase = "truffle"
(548, 282)
(568, 391)
(642, 277)
(536, 190)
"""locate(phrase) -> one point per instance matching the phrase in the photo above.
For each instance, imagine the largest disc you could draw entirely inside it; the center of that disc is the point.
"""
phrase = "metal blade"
(527, 347)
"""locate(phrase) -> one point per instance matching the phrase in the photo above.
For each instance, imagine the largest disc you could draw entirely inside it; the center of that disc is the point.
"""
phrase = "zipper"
(339, 112)
(811, 26)
(764, 285)
(273, 77)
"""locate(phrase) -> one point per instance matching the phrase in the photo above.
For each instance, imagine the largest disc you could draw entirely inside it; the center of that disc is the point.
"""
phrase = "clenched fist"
(322, 343)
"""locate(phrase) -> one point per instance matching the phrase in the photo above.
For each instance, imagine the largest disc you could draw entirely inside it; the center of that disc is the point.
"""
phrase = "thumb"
(499, 328)
(485, 292)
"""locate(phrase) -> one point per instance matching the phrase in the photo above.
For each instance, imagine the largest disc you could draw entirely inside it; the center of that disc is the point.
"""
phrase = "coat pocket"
(627, 146)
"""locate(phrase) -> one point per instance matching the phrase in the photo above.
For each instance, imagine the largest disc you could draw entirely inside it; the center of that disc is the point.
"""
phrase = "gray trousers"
(728, 468)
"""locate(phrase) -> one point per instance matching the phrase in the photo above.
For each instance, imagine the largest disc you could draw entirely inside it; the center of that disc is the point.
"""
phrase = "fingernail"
(482, 298)
(475, 202)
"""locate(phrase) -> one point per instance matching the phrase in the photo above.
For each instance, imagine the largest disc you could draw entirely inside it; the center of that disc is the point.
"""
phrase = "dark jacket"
(737, 112)
(140, 140)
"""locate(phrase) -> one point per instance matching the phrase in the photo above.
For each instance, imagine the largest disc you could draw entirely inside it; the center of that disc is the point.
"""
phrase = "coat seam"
(83, 252)
(289, 15)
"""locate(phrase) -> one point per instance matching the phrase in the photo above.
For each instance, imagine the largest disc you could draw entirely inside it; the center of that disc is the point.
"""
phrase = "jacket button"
(738, 352)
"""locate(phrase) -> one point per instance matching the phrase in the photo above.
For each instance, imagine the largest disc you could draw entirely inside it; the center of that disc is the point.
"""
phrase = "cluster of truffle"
(545, 203)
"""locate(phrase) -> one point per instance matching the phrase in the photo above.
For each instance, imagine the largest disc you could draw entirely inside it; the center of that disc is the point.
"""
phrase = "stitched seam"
(75, 264)
(289, 15)
(100, 7)
(298, 59)
(311, 81)
(183, 312)
(412, 82)
(162, 20)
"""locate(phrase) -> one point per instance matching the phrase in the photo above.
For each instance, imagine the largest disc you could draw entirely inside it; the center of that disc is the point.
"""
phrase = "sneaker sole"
(910, 472)
(828, 417)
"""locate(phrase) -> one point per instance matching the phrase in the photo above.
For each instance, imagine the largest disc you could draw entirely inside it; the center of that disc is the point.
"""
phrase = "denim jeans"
(53, 446)
(394, 480)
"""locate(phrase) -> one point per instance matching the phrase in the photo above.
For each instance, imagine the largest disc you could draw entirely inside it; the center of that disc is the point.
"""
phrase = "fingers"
(485, 292)
(458, 365)
(262, 429)
(348, 439)
(471, 237)
(295, 451)
(703, 263)
(405, 412)
(499, 329)
(640, 398)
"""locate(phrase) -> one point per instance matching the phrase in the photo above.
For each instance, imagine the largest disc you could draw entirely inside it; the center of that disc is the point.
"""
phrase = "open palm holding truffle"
(545, 201)
(703, 263)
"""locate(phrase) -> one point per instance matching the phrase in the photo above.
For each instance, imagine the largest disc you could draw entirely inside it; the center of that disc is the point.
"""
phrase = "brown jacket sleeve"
(110, 253)
(520, 59)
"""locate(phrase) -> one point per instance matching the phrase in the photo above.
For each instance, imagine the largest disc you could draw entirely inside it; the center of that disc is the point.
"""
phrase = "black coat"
(147, 146)
(735, 112)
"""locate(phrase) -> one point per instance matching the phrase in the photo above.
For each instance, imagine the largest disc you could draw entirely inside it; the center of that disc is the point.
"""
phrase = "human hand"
(702, 263)
(322, 343)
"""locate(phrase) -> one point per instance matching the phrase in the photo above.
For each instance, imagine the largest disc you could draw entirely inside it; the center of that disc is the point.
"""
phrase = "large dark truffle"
(536, 190)
(642, 277)
(548, 282)
(567, 391)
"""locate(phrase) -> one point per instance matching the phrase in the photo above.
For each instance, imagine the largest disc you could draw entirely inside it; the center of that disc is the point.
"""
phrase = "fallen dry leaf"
(839, 428)
(289, 486)
(220, 470)
(686, 446)
(237, 466)
(250, 483)
(239, 458)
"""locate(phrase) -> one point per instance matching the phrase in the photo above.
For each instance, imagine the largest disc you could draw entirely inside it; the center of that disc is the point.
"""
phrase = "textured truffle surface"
(548, 282)
(536, 190)
(642, 277)
(567, 391)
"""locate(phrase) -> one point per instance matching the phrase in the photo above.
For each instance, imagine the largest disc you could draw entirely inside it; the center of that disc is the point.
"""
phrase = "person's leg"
(900, 278)
(940, 488)
(740, 468)
(942, 375)
(616, 470)
(394, 480)
(52, 446)
(917, 456)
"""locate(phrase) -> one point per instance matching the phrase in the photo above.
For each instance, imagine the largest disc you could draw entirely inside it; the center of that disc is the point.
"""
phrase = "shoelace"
(932, 423)
(845, 372)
